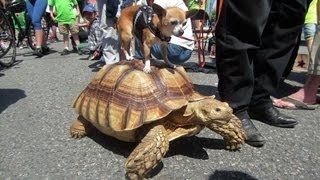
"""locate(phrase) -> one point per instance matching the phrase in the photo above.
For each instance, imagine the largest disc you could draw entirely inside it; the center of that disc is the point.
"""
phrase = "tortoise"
(153, 109)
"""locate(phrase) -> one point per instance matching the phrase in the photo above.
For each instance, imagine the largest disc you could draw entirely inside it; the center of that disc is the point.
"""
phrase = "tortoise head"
(209, 110)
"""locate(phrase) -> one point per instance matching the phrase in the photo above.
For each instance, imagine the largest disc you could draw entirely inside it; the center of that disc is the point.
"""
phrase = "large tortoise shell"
(123, 97)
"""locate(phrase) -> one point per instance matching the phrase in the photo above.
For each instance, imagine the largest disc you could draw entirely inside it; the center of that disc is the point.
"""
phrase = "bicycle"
(7, 40)
(8, 33)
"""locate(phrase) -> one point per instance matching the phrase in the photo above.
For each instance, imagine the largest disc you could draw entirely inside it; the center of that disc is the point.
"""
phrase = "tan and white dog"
(151, 25)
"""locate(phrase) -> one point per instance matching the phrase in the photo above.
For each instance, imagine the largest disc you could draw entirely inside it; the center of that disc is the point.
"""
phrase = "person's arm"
(76, 7)
(96, 32)
(51, 13)
(85, 24)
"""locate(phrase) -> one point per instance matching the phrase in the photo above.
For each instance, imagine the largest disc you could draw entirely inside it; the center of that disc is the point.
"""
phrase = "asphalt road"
(35, 114)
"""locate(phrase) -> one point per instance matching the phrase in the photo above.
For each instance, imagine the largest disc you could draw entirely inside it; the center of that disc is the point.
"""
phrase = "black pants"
(255, 40)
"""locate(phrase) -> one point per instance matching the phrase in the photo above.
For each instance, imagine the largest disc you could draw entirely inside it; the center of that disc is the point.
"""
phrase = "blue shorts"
(309, 30)
(176, 53)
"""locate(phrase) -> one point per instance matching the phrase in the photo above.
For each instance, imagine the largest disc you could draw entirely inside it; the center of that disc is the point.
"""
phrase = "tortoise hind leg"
(232, 133)
(79, 128)
(148, 153)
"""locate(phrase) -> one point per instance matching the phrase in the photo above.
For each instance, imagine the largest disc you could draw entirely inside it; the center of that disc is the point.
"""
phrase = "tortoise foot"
(79, 128)
(233, 145)
(133, 176)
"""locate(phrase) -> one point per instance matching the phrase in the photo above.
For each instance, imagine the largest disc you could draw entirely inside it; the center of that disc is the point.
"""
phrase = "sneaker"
(65, 52)
(45, 50)
(38, 52)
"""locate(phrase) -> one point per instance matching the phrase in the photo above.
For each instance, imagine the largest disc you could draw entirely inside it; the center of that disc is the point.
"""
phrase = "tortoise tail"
(148, 153)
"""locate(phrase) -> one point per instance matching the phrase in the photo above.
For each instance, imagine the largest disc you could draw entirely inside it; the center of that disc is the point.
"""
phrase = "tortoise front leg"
(148, 153)
(232, 132)
(79, 128)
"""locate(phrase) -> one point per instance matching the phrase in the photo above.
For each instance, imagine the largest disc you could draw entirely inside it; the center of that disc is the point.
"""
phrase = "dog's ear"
(191, 13)
(159, 10)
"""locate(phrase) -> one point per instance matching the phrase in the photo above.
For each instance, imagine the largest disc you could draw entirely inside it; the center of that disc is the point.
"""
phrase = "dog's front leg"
(147, 57)
(164, 52)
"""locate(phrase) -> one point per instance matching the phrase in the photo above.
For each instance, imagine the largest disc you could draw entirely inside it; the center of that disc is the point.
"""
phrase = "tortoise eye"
(174, 22)
(217, 109)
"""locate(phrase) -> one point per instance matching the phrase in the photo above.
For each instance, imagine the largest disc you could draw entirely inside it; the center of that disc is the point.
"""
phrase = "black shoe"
(273, 117)
(254, 138)
(38, 52)
(45, 50)
(65, 52)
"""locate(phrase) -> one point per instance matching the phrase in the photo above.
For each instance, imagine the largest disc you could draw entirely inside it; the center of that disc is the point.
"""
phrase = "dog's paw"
(130, 58)
(147, 66)
(147, 69)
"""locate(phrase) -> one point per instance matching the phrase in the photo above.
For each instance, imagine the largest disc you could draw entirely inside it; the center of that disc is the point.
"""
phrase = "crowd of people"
(254, 43)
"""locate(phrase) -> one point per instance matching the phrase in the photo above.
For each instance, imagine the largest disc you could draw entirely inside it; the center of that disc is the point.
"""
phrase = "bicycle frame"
(27, 32)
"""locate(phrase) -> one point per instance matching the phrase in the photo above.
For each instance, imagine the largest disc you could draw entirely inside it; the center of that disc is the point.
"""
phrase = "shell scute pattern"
(129, 98)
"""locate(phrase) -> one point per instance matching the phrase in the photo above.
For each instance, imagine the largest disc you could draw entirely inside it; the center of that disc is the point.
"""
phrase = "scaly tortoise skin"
(154, 108)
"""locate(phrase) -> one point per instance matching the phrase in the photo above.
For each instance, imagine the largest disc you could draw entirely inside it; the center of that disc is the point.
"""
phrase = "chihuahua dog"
(151, 25)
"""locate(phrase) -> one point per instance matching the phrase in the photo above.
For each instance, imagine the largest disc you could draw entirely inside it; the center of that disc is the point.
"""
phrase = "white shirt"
(187, 28)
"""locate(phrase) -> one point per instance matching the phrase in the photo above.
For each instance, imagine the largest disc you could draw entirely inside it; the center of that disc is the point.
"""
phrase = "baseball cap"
(89, 8)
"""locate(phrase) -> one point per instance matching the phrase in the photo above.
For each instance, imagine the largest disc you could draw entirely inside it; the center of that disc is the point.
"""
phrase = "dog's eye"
(184, 23)
(175, 22)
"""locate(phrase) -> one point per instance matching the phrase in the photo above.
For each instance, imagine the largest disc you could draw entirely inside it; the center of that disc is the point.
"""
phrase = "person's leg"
(308, 93)
(63, 29)
(54, 32)
(236, 44)
(309, 30)
(66, 41)
(278, 42)
(39, 9)
(74, 30)
(3, 3)
(282, 31)
(237, 38)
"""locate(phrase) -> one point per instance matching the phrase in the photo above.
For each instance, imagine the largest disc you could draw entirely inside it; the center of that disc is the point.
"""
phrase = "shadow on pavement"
(194, 147)
(96, 66)
(230, 175)
(10, 96)
(188, 146)
(193, 67)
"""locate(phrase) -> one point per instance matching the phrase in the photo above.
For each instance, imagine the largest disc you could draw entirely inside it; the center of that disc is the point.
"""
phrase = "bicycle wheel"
(31, 34)
(7, 41)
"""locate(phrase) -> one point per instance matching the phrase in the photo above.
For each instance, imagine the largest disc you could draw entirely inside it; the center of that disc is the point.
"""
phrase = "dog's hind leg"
(126, 39)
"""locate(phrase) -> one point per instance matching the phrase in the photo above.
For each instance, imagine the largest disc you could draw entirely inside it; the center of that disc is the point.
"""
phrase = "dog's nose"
(181, 32)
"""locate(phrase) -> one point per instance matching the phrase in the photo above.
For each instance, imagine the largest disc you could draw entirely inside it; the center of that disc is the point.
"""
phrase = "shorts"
(64, 29)
(309, 30)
